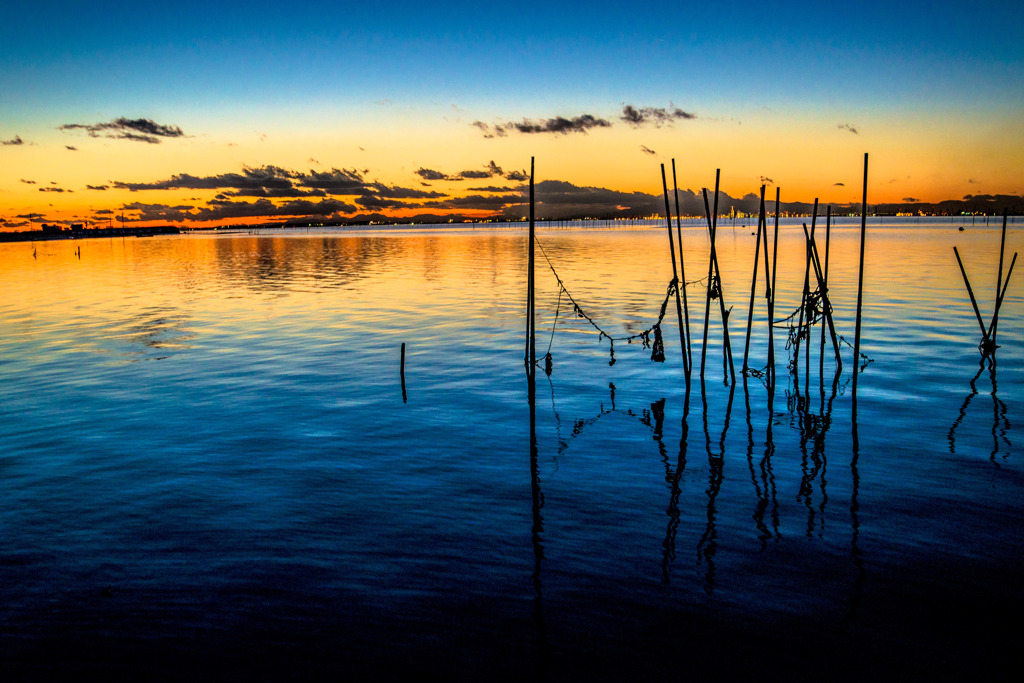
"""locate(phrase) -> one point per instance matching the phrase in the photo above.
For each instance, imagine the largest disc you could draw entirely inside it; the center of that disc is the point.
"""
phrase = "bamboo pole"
(707, 298)
(531, 331)
(860, 279)
(753, 284)
(970, 292)
(826, 304)
(824, 289)
(771, 301)
(682, 275)
(999, 277)
(805, 295)
(405, 397)
(999, 301)
(727, 365)
(675, 276)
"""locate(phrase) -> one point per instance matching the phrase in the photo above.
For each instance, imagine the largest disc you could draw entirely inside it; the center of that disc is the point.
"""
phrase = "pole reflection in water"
(708, 545)
(674, 478)
(537, 529)
(761, 488)
(1000, 421)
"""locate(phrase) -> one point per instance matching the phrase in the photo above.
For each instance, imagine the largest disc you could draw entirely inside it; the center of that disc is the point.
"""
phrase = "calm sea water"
(208, 468)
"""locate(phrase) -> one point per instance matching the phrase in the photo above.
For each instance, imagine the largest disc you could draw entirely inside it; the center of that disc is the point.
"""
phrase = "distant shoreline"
(47, 235)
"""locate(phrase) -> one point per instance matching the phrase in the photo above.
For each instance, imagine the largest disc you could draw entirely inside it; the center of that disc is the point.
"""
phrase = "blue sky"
(932, 86)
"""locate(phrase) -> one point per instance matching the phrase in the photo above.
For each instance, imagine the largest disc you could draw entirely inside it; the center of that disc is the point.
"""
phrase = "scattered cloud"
(765, 180)
(849, 127)
(647, 150)
(972, 181)
(430, 174)
(138, 130)
(73, 149)
(28, 182)
(313, 161)
(838, 184)
(558, 125)
(489, 188)
(912, 200)
(97, 187)
(34, 217)
(657, 116)
(490, 170)
(54, 189)
(16, 140)
(14, 224)
(517, 176)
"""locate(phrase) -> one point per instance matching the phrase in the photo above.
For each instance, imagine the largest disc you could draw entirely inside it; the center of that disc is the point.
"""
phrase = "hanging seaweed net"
(650, 338)
(814, 310)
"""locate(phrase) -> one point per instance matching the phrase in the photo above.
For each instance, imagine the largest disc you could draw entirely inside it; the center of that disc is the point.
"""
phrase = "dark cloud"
(73, 149)
(477, 202)
(16, 140)
(657, 116)
(97, 187)
(263, 177)
(335, 181)
(647, 150)
(490, 170)
(104, 212)
(373, 202)
(517, 176)
(561, 125)
(849, 127)
(430, 174)
(765, 180)
(28, 182)
(394, 192)
(54, 189)
(14, 224)
(972, 181)
(34, 217)
(138, 130)
(489, 188)
(274, 192)
(558, 125)
(264, 207)
(839, 184)
(560, 199)
(912, 200)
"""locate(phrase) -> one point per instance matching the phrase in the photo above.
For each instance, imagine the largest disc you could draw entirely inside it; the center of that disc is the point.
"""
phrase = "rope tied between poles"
(657, 344)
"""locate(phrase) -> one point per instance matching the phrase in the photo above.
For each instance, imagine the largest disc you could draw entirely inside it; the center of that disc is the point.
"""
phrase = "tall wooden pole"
(753, 282)
(707, 298)
(675, 275)
(771, 300)
(682, 274)
(999, 277)
(860, 280)
(531, 333)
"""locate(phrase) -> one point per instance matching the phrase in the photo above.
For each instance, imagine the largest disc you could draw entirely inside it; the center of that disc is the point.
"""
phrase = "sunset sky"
(238, 112)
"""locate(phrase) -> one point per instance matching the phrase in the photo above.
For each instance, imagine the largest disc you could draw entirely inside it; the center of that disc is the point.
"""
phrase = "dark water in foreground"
(208, 470)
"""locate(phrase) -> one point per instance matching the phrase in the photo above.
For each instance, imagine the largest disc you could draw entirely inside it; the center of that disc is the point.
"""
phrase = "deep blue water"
(208, 469)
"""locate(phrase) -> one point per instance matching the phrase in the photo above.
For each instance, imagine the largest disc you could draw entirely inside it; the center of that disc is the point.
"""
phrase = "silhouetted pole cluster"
(988, 345)
(715, 290)
(682, 276)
